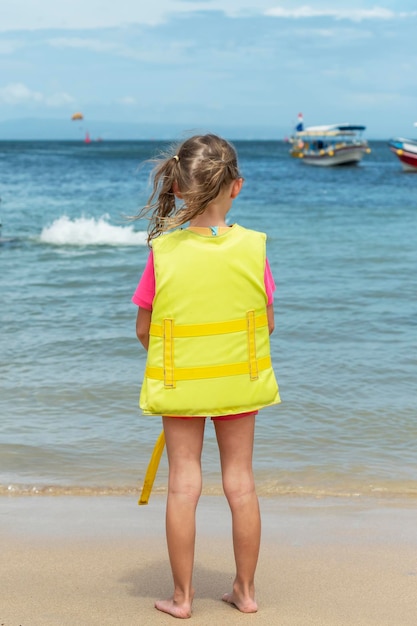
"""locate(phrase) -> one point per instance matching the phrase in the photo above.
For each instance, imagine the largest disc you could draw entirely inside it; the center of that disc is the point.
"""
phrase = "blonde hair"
(200, 168)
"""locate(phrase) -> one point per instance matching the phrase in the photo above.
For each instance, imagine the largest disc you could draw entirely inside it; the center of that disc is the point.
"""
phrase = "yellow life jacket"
(209, 351)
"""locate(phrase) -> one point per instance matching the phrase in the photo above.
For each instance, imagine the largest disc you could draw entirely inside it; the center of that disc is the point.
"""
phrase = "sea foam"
(88, 231)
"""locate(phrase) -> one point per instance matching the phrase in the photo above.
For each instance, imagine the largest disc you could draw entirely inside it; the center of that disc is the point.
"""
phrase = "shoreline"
(103, 561)
(302, 487)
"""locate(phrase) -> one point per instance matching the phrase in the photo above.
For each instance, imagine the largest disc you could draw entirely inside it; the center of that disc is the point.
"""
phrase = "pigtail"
(161, 205)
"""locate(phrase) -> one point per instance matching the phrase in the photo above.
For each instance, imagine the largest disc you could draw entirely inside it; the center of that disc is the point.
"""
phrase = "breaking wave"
(88, 231)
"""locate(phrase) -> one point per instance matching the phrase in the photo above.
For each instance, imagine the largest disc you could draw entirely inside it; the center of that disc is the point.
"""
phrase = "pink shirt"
(145, 291)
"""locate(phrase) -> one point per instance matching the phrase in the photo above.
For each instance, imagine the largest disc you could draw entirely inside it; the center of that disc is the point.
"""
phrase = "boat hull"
(406, 151)
(346, 155)
(343, 156)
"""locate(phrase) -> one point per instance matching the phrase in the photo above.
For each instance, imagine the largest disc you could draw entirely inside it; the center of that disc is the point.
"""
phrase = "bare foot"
(246, 605)
(182, 611)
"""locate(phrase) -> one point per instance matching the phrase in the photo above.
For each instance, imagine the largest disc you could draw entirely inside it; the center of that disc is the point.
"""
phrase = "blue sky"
(244, 67)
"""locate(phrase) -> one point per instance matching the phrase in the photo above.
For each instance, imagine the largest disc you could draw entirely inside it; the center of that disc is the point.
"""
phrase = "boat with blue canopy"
(332, 144)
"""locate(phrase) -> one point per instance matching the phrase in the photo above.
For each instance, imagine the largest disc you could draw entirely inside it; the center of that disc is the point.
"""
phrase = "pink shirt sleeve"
(145, 291)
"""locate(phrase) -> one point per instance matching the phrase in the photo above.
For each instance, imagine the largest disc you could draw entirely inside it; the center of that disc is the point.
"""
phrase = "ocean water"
(342, 247)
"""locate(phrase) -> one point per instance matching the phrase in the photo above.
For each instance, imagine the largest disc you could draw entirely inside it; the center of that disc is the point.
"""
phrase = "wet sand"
(101, 561)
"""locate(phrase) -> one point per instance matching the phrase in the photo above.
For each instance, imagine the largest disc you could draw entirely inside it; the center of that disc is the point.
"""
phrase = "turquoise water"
(342, 247)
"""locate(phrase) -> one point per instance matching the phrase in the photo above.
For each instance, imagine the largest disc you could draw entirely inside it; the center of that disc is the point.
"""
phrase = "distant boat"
(334, 144)
(406, 151)
(87, 138)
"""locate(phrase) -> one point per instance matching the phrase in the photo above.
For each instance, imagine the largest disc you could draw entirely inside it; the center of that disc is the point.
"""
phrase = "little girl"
(205, 315)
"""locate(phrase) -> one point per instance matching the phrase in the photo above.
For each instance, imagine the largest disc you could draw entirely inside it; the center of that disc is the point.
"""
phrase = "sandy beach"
(102, 561)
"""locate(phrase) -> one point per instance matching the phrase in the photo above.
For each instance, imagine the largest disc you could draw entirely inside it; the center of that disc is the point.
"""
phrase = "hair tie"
(176, 157)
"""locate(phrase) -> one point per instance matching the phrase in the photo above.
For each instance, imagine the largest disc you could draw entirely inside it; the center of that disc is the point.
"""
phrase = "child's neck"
(212, 216)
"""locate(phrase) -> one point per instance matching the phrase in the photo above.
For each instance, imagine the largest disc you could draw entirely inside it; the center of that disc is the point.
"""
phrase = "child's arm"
(270, 316)
(269, 288)
(143, 323)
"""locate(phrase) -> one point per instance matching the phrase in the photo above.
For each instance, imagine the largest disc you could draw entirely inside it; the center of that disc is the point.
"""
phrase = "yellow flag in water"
(152, 469)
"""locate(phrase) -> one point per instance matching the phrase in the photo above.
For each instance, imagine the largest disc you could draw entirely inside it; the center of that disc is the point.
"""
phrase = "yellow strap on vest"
(253, 364)
(212, 328)
(168, 353)
(209, 371)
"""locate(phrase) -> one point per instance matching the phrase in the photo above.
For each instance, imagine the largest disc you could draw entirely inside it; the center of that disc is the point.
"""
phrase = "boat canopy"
(401, 142)
(332, 130)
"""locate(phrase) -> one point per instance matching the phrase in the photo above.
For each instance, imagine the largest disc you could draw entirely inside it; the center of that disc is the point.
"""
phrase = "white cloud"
(149, 51)
(96, 45)
(355, 15)
(127, 101)
(58, 99)
(9, 47)
(333, 35)
(18, 93)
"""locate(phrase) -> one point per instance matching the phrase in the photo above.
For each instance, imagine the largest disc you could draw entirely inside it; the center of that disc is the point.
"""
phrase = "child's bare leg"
(184, 441)
(235, 439)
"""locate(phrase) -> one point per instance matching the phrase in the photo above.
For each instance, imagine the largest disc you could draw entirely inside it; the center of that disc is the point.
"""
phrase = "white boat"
(406, 151)
(334, 144)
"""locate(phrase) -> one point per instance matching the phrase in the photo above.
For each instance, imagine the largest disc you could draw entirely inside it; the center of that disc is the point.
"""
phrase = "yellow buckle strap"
(253, 365)
(211, 328)
(169, 380)
(209, 371)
